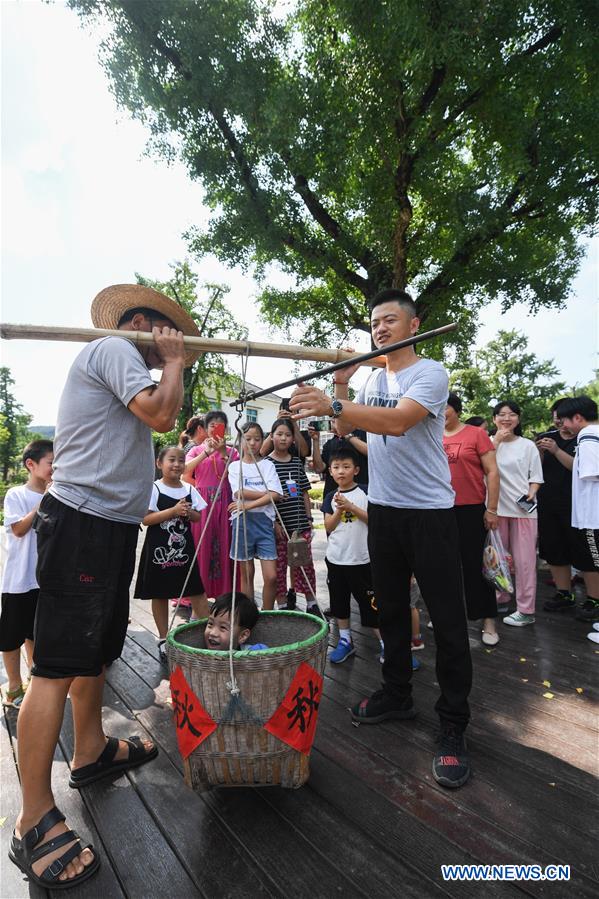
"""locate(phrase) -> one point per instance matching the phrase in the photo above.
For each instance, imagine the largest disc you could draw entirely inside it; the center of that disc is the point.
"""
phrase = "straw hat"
(111, 304)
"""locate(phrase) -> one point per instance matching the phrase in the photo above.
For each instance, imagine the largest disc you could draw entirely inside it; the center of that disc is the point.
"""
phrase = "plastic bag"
(497, 563)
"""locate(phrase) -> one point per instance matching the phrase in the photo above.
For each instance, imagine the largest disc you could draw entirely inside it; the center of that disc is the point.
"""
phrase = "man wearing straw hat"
(87, 528)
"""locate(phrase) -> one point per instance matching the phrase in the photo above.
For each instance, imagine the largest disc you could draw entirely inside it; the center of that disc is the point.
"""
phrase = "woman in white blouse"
(521, 475)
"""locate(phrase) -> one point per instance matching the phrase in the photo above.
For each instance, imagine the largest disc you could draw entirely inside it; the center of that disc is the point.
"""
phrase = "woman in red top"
(471, 457)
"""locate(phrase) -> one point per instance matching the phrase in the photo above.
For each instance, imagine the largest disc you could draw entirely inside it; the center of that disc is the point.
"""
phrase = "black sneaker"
(381, 706)
(451, 764)
(162, 653)
(315, 609)
(561, 602)
(291, 600)
(588, 611)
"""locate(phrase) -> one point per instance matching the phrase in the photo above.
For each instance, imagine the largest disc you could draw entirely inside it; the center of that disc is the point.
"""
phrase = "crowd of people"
(410, 494)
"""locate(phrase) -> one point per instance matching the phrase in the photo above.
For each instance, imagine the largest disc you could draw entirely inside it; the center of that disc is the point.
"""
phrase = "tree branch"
(258, 197)
(550, 37)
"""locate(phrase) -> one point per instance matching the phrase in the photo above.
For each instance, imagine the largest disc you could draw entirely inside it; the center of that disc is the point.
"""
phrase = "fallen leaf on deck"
(548, 695)
(524, 680)
(522, 659)
(579, 690)
(546, 683)
(551, 784)
(2, 821)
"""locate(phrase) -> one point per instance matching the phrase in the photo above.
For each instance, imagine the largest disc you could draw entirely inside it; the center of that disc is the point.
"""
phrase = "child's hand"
(181, 509)
(232, 507)
(342, 502)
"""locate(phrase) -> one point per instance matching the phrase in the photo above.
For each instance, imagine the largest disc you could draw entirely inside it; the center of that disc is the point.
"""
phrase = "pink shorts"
(298, 580)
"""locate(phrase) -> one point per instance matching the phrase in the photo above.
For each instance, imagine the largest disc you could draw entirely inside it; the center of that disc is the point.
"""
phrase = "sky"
(83, 207)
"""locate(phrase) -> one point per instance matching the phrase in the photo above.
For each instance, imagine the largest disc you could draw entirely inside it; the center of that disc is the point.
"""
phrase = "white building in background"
(264, 410)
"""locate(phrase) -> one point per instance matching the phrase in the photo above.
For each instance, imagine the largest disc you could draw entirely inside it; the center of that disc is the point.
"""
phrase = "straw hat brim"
(111, 304)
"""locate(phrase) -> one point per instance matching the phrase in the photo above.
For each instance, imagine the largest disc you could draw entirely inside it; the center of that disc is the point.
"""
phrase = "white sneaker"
(518, 619)
(595, 625)
(594, 636)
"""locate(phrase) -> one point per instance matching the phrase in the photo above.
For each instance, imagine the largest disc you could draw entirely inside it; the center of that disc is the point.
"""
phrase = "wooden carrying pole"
(201, 344)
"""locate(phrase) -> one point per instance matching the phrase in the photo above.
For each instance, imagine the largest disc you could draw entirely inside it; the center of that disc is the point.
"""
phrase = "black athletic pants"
(481, 601)
(423, 542)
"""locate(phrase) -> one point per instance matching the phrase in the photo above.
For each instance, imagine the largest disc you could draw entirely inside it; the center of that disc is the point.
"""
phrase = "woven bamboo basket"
(242, 752)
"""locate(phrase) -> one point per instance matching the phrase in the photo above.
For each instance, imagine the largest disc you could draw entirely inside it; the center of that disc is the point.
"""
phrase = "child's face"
(343, 472)
(172, 465)
(282, 439)
(218, 632)
(253, 441)
(42, 469)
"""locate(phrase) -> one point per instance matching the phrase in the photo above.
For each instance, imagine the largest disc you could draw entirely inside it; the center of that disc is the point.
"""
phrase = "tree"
(211, 373)
(448, 147)
(14, 423)
(505, 370)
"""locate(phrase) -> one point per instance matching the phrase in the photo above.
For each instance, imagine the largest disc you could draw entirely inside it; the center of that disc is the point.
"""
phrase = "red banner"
(294, 722)
(192, 721)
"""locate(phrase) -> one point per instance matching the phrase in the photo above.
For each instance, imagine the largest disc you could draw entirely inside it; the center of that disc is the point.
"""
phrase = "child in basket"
(19, 586)
(255, 486)
(168, 549)
(347, 559)
(217, 635)
(294, 509)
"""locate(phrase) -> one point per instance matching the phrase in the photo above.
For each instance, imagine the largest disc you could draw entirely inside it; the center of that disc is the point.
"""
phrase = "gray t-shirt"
(103, 454)
(410, 472)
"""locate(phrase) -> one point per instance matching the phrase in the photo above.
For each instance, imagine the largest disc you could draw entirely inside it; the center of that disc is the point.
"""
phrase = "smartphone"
(314, 424)
(526, 504)
(285, 404)
(218, 430)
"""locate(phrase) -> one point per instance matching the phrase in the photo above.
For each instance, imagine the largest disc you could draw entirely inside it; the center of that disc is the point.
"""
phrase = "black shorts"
(347, 580)
(16, 619)
(557, 537)
(85, 566)
(586, 549)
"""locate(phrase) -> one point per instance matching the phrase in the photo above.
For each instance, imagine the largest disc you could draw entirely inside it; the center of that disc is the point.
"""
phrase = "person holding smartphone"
(204, 467)
(521, 475)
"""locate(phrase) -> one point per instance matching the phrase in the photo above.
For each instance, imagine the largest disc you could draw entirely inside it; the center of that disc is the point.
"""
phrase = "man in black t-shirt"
(557, 448)
(356, 441)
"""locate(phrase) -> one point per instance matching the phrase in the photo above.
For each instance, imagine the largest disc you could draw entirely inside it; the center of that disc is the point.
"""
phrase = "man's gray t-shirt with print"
(410, 472)
(103, 454)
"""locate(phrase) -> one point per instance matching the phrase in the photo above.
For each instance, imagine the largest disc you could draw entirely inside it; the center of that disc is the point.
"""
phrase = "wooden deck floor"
(371, 821)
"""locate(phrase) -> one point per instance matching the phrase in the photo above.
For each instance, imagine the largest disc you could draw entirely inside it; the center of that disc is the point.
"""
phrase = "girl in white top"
(256, 487)
(521, 474)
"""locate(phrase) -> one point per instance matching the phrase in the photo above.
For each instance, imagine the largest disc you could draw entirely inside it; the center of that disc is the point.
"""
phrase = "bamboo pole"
(201, 344)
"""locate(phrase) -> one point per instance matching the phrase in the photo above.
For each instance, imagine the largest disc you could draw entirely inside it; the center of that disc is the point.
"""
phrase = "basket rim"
(249, 653)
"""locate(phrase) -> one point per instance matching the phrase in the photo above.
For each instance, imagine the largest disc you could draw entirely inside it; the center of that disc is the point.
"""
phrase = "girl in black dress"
(169, 549)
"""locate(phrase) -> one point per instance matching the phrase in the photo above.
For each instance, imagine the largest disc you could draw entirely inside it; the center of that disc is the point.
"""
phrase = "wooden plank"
(127, 830)
(509, 799)
(293, 859)
(403, 837)
(348, 844)
(530, 734)
(12, 881)
(480, 838)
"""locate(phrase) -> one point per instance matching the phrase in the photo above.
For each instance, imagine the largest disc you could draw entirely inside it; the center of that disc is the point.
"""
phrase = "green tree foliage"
(505, 369)
(14, 423)
(211, 374)
(591, 389)
(359, 144)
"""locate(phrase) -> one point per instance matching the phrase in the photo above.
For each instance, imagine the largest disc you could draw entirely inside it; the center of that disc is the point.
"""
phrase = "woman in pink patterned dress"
(204, 468)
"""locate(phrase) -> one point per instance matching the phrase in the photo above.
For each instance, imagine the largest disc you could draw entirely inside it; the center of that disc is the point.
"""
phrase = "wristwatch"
(336, 408)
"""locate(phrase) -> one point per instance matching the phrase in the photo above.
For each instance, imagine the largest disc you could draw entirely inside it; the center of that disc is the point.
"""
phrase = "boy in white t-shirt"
(579, 415)
(347, 559)
(19, 586)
